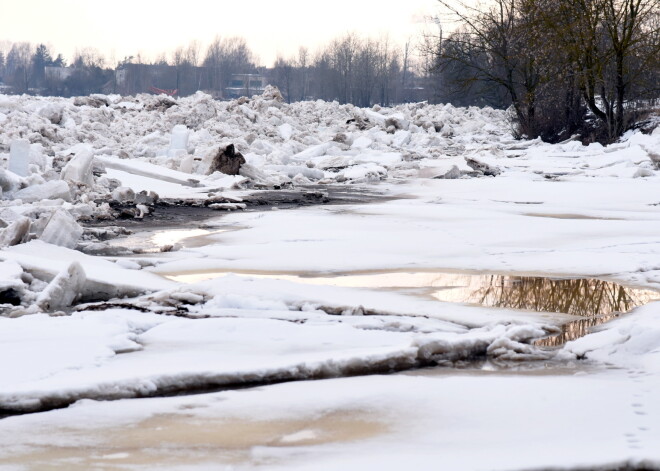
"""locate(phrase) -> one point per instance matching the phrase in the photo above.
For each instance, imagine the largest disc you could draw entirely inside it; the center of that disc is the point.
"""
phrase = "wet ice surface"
(581, 297)
(597, 301)
(388, 422)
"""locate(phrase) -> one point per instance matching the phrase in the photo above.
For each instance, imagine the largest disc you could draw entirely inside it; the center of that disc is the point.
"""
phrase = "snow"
(298, 308)
(386, 422)
(632, 342)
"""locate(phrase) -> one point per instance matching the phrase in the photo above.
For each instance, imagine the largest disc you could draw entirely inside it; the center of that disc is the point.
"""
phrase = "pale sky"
(120, 28)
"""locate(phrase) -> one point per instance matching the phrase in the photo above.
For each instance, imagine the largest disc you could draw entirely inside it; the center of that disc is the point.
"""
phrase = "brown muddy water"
(594, 301)
(185, 440)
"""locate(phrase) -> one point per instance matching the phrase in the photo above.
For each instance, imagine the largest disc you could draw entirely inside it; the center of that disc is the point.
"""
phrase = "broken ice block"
(64, 289)
(285, 131)
(79, 168)
(46, 191)
(179, 139)
(62, 229)
(15, 233)
(19, 157)
(186, 164)
(123, 194)
(9, 181)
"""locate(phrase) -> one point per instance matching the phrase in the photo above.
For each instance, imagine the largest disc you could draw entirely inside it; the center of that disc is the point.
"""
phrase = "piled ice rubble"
(54, 151)
(263, 129)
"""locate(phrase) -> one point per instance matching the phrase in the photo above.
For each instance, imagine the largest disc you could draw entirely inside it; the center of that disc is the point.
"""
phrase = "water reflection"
(597, 301)
(574, 330)
(579, 297)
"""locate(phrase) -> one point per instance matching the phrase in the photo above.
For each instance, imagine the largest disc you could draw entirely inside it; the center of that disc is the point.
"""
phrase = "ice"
(363, 173)
(285, 130)
(362, 142)
(123, 194)
(79, 168)
(105, 279)
(64, 289)
(401, 138)
(52, 112)
(179, 140)
(54, 189)
(15, 233)
(293, 170)
(219, 351)
(62, 229)
(19, 157)
(632, 342)
(10, 276)
(187, 164)
(9, 181)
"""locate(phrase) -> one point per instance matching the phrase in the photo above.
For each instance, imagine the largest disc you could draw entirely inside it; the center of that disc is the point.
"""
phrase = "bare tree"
(226, 57)
(611, 44)
(303, 65)
(284, 76)
(19, 65)
(88, 57)
(550, 56)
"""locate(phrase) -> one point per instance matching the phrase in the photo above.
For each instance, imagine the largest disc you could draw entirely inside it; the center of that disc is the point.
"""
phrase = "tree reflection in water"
(580, 297)
(596, 300)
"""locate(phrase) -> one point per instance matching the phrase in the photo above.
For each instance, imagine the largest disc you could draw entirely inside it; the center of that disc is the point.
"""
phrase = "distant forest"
(563, 68)
(350, 69)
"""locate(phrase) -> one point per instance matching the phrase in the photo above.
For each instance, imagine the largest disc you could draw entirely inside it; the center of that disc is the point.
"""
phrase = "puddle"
(571, 216)
(176, 236)
(597, 301)
(186, 440)
(150, 242)
(575, 329)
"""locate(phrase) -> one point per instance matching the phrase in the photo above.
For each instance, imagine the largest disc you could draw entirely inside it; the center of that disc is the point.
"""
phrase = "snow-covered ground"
(319, 292)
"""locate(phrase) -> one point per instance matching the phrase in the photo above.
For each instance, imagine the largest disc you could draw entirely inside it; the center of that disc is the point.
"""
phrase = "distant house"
(245, 85)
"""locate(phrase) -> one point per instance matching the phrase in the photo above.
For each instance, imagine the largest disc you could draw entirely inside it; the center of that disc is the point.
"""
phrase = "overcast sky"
(120, 28)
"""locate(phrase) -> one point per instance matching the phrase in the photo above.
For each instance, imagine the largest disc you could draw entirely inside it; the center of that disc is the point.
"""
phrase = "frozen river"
(466, 322)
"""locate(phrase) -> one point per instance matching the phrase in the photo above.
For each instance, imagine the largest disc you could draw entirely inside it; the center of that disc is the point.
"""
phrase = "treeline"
(24, 66)
(350, 69)
(588, 67)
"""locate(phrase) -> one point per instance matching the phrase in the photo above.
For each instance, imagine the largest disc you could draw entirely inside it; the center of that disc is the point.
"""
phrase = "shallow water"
(181, 439)
(157, 242)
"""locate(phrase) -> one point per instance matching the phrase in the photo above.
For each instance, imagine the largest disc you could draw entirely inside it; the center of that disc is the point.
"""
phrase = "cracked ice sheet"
(47, 260)
(391, 422)
(599, 227)
(232, 290)
(120, 353)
